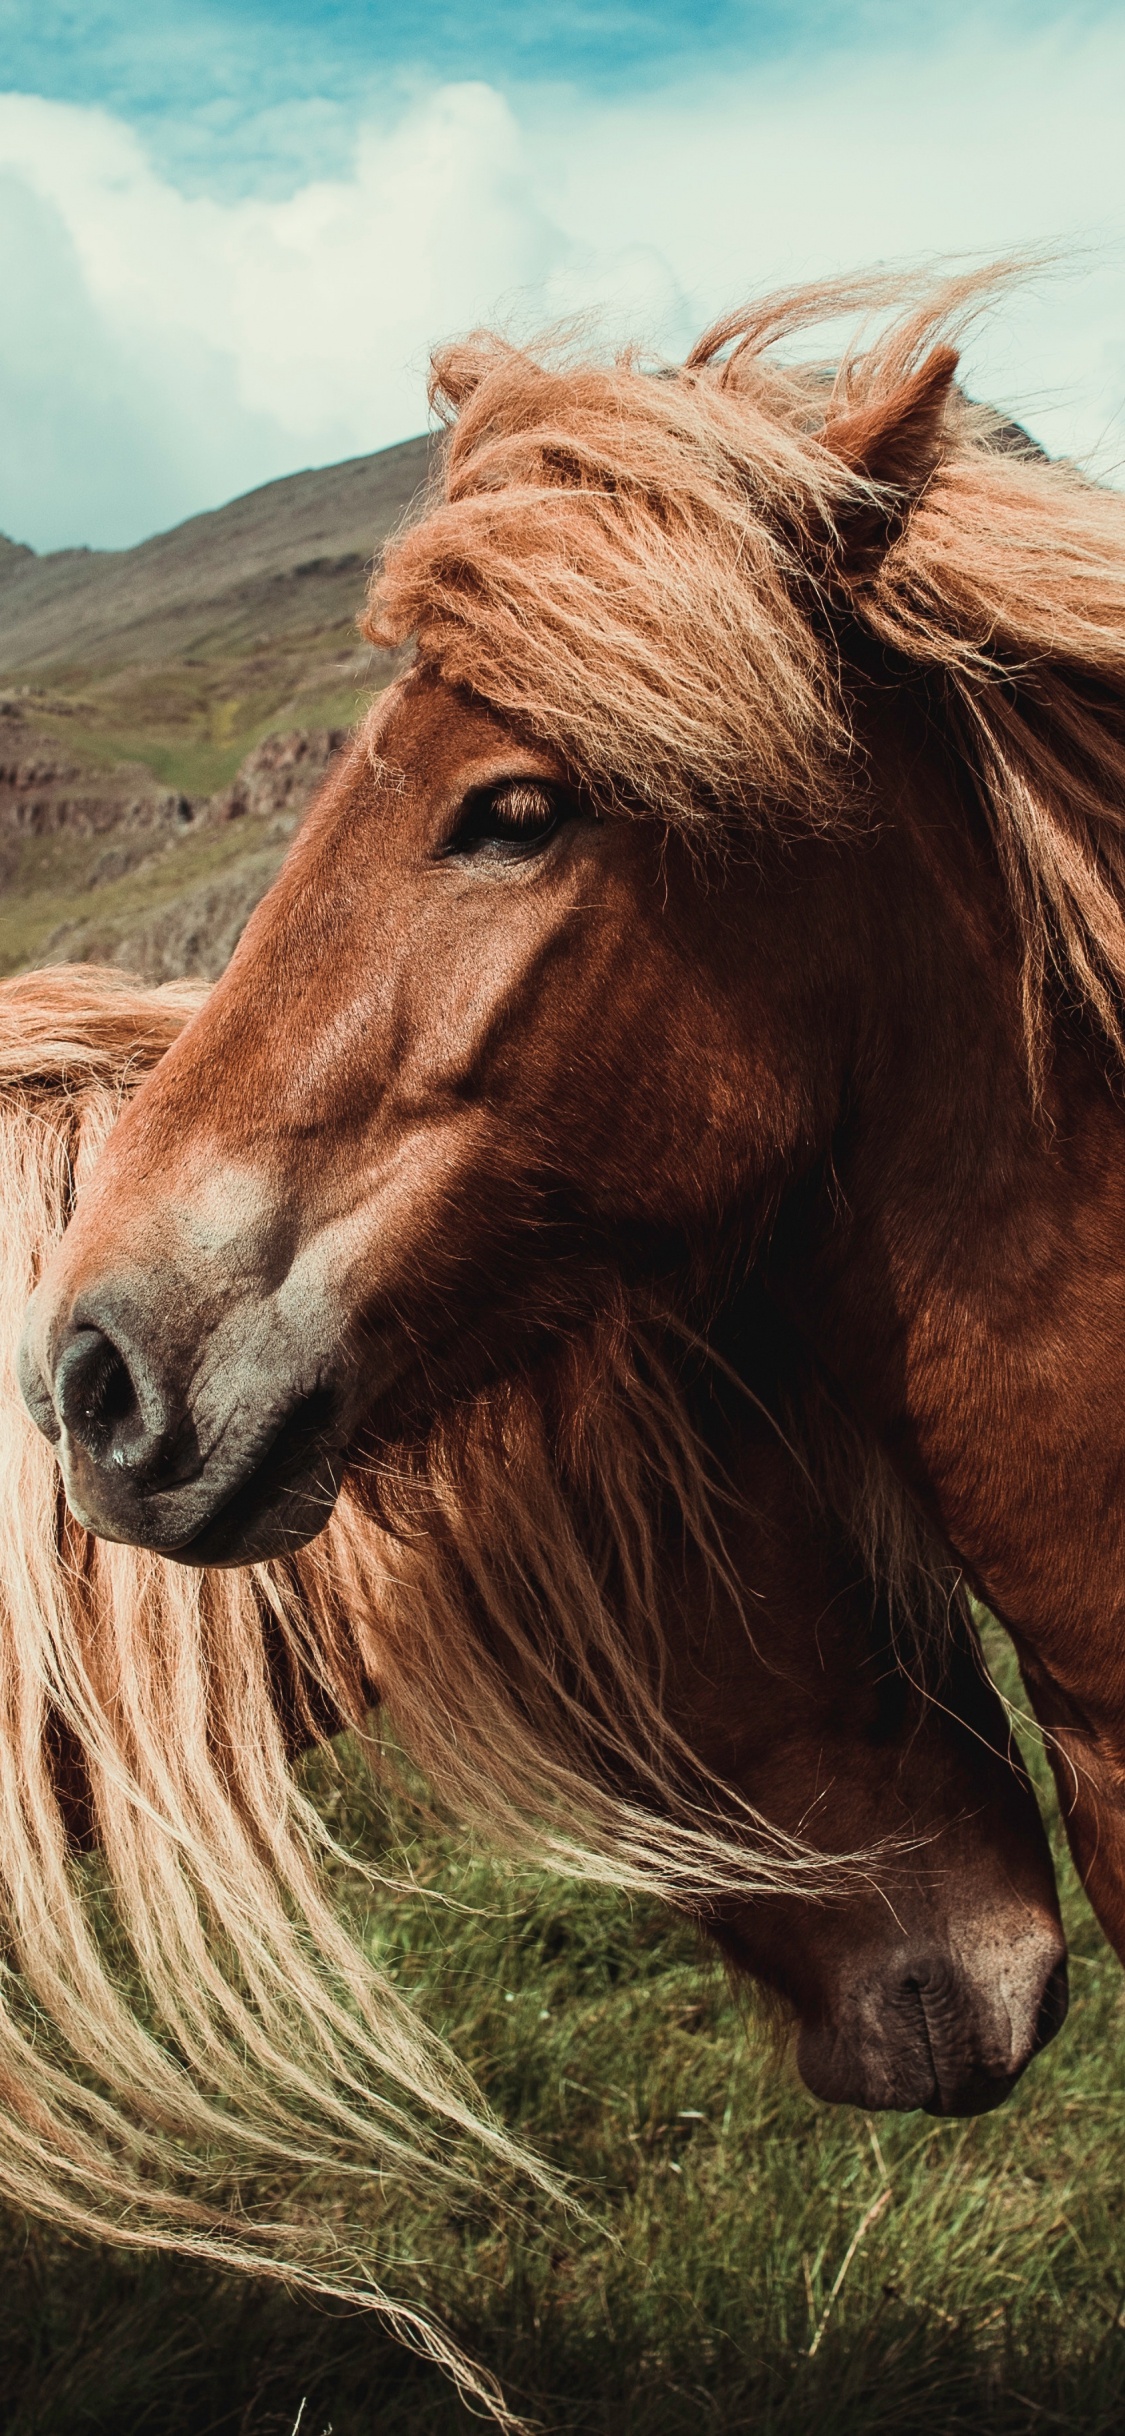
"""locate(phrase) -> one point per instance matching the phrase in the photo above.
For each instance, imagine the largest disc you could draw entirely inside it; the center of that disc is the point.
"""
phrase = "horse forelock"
(659, 578)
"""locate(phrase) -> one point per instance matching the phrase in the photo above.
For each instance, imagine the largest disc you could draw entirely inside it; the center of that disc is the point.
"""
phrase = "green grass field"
(718, 2284)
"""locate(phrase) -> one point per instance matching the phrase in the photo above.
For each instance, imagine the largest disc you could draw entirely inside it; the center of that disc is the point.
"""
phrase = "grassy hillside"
(181, 654)
(54, 882)
(191, 719)
(135, 684)
(742, 2270)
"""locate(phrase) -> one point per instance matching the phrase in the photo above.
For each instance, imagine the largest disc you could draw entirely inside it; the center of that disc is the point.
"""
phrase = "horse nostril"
(1052, 2006)
(97, 1401)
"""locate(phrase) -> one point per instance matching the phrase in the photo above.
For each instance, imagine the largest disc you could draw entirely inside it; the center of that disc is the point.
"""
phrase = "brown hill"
(265, 558)
(173, 888)
(135, 684)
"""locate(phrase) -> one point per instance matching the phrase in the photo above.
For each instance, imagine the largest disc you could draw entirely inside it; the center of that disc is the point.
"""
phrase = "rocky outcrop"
(195, 927)
(279, 777)
(197, 932)
(45, 791)
(44, 798)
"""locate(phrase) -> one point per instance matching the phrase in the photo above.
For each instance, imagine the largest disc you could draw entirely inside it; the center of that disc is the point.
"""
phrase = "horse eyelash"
(516, 796)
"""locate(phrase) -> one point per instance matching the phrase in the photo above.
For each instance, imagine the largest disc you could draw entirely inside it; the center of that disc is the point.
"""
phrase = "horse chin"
(263, 1519)
(285, 1501)
(904, 2080)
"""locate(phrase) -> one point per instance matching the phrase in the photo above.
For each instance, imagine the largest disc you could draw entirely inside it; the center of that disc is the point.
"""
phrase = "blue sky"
(248, 96)
(152, 64)
(229, 233)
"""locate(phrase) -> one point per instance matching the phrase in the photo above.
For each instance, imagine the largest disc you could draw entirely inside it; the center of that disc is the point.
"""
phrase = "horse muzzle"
(947, 2032)
(224, 1457)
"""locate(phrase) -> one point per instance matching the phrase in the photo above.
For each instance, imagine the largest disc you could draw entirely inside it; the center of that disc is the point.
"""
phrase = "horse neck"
(964, 1278)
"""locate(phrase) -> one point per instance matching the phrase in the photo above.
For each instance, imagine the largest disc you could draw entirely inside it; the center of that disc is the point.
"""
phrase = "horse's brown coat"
(475, 1185)
(457, 1092)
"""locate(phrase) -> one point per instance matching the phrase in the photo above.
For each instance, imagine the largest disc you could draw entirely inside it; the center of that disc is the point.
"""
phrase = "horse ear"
(894, 441)
(456, 371)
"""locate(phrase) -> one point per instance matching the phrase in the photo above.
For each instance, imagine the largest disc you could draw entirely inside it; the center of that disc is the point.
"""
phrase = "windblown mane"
(177, 1985)
(646, 573)
(185, 1993)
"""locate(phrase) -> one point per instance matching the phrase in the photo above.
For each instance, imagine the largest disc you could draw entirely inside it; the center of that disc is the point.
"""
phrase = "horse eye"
(514, 819)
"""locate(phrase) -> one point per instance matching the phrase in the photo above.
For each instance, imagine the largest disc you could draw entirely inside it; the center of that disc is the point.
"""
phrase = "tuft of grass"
(738, 2266)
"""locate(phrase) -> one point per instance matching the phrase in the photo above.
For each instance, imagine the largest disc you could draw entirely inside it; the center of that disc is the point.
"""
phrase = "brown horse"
(149, 1713)
(716, 1736)
(725, 906)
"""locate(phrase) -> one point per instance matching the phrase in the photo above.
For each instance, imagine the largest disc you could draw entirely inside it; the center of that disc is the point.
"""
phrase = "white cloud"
(161, 351)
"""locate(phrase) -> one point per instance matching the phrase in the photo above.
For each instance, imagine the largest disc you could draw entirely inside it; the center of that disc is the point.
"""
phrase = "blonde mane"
(650, 575)
(181, 2008)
